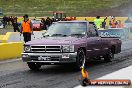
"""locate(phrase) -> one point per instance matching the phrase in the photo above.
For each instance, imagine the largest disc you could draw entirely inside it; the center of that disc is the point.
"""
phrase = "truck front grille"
(46, 48)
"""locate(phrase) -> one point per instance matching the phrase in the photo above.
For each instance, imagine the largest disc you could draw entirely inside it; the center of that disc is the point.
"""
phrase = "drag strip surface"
(16, 74)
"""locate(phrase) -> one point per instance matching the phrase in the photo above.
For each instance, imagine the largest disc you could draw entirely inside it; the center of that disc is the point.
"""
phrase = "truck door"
(105, 45)
(93, 42)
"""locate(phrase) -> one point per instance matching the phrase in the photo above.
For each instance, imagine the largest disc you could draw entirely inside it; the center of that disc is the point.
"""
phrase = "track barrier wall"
(10, 50)
(1, 38)
(11, 37)
(11, 44)
(17, 37)
(119, 32)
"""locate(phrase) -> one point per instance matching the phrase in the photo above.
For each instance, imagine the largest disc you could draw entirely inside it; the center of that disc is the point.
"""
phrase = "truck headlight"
(27, 48)
(68, 48)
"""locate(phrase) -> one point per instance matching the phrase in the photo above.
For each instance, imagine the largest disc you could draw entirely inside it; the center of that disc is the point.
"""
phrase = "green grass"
(43, 7)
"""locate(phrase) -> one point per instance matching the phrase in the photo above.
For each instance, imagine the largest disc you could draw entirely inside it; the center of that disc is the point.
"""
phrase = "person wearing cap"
(26, 28)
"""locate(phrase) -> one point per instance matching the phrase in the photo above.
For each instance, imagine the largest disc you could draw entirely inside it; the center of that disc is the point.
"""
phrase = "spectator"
(48, 22)
(63, 19)
(104, 23)
(26, 28)
(4, 21)
(74, 18)
(10, 20)
(15, 25)
(110, 25)
(52, 20)
(114, 23)
(43, 24)
(120, 25)
(98, 21)
(113, 17)
(110, 18)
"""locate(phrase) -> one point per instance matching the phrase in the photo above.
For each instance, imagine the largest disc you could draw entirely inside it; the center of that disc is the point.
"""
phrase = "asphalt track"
(16, 74)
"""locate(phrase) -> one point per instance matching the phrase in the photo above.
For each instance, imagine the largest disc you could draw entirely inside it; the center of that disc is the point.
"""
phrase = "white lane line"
(9, 61)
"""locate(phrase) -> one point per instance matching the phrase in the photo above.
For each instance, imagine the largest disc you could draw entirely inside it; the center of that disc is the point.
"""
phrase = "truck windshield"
(67, 29)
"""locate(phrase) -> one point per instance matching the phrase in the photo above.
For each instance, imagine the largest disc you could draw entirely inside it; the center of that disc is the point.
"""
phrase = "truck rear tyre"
(34, 66)
(80, 58)
(109, 56)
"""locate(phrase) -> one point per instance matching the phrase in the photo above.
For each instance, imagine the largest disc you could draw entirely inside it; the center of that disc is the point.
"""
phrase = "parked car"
(35, 24)
(68, 42)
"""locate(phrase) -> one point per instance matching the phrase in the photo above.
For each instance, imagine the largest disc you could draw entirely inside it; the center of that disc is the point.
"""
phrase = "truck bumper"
(49, 58)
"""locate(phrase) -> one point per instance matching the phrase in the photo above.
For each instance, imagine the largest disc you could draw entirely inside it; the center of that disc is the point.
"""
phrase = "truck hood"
(55, 41)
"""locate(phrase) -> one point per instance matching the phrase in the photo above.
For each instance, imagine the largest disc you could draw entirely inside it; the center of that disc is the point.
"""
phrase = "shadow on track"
(69, 68)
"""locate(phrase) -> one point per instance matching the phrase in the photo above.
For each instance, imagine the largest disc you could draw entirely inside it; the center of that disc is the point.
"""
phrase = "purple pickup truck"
(68, 42)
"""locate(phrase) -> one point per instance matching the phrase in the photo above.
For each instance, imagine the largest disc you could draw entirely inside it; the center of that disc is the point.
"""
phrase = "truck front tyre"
(80, 58)
(109, 56)
(34, 66)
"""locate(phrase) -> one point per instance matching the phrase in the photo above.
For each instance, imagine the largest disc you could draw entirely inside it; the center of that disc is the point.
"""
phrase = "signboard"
(117, 32)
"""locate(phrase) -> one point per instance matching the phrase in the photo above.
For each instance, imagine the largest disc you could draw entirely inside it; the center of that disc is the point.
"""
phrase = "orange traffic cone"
(85, 77)
(84, 73)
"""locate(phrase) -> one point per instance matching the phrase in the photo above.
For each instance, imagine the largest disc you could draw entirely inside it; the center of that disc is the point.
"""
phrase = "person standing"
(104, 23)
(4, 21)
(43, 24)
(15, 25)
(26, 28)
(114, 23)
(48, 22)
(120, 25)
(98, 21)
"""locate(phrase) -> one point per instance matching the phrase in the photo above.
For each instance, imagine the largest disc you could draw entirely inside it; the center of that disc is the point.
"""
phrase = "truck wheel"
(80, 58)
(34, 66)
(109, 56)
